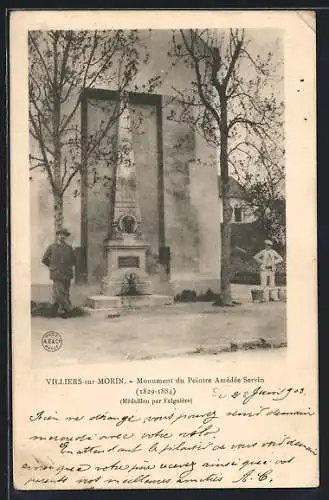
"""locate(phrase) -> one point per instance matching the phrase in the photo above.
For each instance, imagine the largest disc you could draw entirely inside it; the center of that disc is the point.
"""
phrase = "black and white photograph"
(157, 191)
(163, 179)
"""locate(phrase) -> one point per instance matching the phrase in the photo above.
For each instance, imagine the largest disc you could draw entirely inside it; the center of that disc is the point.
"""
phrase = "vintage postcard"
(164, 288)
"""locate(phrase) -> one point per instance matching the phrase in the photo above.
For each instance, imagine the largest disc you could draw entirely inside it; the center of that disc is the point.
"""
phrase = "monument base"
(126, 261)
(110, 303)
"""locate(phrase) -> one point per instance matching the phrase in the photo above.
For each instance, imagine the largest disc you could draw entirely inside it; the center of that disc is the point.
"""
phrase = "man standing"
(60, 259)
(268, 259)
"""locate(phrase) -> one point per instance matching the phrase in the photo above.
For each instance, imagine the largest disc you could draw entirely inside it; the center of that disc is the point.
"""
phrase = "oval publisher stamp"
(52, 341)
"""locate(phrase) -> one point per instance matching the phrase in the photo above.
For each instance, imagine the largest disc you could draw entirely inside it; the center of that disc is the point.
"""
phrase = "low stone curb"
(252, 344)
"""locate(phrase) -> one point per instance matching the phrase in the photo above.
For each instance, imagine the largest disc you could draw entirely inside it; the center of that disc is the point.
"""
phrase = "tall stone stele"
(126, 250)
(126, 281)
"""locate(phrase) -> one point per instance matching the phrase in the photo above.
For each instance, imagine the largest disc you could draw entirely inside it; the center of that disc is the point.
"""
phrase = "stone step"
(107, 302)
(103, 302)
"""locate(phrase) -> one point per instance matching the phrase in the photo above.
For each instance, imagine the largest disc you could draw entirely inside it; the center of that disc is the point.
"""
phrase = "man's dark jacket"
(60, 259)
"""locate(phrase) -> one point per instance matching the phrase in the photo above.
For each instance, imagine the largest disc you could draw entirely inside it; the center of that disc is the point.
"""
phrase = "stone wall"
(203, 222)
(181, 226)
(100, 174)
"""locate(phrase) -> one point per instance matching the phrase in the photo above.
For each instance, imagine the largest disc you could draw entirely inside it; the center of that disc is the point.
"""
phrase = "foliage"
(186, 296)
(264, 188)
(248, 236)
(246, 271)
(189, 295)
(270, 211)
(46, 310)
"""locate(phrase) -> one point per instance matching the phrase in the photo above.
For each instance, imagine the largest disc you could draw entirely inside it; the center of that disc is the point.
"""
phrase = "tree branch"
(35, 45)
(203, 98)
(235, 57)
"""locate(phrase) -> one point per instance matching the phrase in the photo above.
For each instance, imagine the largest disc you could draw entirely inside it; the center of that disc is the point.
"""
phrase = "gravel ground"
(189, 329)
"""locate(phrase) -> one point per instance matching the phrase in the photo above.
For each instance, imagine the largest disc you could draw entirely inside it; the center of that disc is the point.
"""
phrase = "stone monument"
(126, 283)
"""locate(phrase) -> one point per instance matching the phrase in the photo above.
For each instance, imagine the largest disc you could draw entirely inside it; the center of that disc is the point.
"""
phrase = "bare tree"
(62, 64)
(231, 102)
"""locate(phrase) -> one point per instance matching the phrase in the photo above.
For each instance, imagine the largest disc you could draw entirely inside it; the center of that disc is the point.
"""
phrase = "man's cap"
(268, 242)
(63, 230)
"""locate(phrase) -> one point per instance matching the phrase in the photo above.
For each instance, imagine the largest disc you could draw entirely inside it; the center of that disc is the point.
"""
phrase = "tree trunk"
(226, 295)
(56, 120)
(58, 212)
(57, 170)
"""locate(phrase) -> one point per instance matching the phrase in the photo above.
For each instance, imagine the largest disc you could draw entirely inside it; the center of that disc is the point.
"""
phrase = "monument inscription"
(128, 261)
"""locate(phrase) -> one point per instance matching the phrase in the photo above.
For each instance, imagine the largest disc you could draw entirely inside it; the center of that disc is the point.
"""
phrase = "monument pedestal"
(126, 268)
(127, 284)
